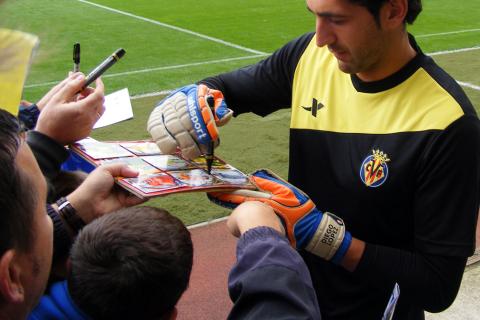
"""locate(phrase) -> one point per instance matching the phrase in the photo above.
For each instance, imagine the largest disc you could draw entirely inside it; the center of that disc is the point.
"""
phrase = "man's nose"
(325, 35)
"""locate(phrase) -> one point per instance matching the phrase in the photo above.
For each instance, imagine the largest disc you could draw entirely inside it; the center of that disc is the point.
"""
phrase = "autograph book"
(161, 174)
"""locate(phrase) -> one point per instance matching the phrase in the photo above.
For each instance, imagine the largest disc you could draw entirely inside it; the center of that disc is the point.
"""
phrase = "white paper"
(117, 108)
(392, 303)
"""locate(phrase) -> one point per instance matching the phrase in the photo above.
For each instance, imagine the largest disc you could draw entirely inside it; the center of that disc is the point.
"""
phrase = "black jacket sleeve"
(432, 281)
(61, 238)
(270, 279)
(49, 154)
(264, 87)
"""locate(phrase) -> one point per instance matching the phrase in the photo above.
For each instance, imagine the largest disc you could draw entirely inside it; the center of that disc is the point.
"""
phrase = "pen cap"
(119, 53)
(76, 52)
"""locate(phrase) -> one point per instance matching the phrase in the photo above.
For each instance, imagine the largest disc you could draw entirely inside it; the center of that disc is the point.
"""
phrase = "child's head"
(131, 264)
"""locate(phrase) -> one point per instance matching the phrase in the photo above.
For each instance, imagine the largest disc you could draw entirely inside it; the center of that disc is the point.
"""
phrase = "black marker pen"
(211, 146)
(101, 68)
(76, 57)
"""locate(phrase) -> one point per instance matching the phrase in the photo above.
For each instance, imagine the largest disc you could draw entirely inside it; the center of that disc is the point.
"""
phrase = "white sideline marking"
(469, 85)
(182, 66)
(206, 223)
(165, 25)
(113, 75)
(151, 94)
(446, 33)
(438, 53)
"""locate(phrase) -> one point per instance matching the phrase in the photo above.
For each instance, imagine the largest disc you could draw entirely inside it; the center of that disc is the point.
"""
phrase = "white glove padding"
(185, 120)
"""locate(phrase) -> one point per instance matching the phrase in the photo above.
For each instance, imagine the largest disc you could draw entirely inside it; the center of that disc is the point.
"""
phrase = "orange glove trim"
(207, 115)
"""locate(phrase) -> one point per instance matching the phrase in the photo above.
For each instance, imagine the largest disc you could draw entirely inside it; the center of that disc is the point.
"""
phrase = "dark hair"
(414, 8)
(66, 182)
(17, 201)
(131, 264)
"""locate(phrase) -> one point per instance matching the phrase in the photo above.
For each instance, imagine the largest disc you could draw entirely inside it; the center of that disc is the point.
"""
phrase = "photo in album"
(161, 174)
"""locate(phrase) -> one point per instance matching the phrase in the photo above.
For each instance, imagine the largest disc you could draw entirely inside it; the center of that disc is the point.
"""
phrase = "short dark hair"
(17, 201)
(131, 264)
(414, 8)
(66, 182)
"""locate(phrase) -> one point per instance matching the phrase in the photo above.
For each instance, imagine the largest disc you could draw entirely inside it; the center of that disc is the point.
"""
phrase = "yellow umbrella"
(16, 50)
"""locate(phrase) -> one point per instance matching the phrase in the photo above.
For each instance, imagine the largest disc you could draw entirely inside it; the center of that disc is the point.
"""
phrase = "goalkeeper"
(380, 136)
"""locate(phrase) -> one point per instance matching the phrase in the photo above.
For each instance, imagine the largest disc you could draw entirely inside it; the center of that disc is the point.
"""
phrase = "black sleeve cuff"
(259, 233)
(61, 238)
(29, 115)
(49, 153)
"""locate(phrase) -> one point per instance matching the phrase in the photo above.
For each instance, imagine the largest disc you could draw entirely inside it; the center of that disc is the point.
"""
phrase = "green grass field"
(173, 43)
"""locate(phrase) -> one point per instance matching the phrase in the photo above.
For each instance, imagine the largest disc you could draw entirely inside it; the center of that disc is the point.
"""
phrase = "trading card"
(102, 150)
(217, 163)
(135, 163)
(168, 162)
(141, 148)
(154, 182)
(194, 178)
(230, 175)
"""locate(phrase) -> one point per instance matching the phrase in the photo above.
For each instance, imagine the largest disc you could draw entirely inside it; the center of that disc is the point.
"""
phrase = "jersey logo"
(374, 169)
(315, 107)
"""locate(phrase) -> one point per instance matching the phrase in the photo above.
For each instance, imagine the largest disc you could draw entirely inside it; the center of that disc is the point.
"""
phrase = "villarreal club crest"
(374, 169)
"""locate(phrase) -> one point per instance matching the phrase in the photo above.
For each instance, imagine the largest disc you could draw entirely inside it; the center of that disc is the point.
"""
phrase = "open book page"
(117, 108)
(392, 303)
(161, 174)
(16, 51)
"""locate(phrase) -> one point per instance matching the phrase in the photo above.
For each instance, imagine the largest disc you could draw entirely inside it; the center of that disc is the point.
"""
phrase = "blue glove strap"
(305, 228)
(347, 241)
(221, 110)
(198, 124)
(228, 205)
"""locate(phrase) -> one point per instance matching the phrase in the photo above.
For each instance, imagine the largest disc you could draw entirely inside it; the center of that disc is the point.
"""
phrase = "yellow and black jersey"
(397, 159)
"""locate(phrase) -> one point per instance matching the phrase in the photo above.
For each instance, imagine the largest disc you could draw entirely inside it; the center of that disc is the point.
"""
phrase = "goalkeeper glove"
(184, 120)
(322, 234)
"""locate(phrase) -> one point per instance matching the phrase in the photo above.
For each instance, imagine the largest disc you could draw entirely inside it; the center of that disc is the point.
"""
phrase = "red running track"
(214, 254)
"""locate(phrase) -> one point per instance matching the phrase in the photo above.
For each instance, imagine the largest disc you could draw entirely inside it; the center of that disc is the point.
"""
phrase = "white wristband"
(328, 237)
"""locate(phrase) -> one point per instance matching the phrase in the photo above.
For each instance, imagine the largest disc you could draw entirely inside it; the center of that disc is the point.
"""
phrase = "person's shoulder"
(292, 51)
(467, 126)
(449, 86)
(302, 40)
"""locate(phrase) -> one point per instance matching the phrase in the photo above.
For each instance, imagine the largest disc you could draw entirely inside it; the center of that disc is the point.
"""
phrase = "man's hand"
(98, 195)
(66, 116)
(322, 234)
(184, 120)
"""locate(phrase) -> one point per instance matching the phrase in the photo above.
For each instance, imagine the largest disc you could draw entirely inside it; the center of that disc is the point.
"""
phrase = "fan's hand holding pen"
(66, 116)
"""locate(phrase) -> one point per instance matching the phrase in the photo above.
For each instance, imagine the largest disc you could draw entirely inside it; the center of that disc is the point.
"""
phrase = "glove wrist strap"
(338, 257)
(329, 238)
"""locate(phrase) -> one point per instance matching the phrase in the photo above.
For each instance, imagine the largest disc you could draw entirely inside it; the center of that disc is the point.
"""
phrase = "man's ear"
(11, 287)
(393, 13)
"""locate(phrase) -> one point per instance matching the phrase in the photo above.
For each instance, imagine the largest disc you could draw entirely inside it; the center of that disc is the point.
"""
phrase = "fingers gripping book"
(161, 174)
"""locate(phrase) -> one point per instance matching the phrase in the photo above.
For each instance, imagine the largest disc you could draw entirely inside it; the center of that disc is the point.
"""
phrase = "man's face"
(36, 262)
(352, 35)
